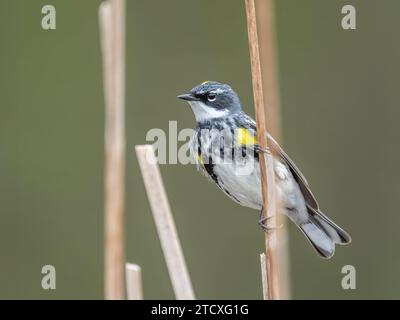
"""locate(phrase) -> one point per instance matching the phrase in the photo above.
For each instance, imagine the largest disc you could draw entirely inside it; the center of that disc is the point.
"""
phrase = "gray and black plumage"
(225, 148)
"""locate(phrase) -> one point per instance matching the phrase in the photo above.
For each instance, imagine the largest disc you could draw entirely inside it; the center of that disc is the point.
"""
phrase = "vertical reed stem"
(112, 33)
(269, 69)
(266, 165)
(134, 290)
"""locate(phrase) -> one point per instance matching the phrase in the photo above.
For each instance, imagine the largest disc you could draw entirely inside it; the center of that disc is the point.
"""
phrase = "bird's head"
(211, 100)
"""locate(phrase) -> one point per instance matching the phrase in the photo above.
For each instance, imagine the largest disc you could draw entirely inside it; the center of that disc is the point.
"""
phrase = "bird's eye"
(211, 97)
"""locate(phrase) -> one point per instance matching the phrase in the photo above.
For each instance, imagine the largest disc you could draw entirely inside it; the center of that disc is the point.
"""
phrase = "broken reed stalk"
(112, 36)
(264, 279)
(266, 162)
(133, 274)
(165, 223)
(269, 69)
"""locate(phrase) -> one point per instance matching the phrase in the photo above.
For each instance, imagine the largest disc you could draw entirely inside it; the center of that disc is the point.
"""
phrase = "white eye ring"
(211, 97)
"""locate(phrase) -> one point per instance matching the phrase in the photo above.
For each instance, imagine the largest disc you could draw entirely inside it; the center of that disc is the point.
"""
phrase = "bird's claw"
(263, 223)
(267, 228)
(264, 150)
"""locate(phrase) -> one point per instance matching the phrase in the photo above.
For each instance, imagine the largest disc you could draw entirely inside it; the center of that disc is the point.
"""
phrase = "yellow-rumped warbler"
(221, 144)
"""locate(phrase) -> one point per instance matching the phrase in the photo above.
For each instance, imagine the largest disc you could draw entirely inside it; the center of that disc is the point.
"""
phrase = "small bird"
(224, 148)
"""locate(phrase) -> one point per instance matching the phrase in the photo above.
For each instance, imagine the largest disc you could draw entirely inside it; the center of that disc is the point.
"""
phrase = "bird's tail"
(323, 233)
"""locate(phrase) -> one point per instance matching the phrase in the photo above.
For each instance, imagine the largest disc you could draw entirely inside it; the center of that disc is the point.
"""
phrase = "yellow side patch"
(200, 159)
(206, 82)
(245, 137)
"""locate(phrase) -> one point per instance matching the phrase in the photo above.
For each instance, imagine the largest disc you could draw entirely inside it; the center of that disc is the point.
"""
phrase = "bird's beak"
(188, 97)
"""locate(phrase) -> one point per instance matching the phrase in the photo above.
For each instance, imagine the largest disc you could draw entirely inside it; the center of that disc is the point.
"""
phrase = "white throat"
(203, 112)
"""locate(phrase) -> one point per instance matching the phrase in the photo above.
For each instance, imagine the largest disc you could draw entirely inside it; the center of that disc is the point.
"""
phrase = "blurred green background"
(340, 124)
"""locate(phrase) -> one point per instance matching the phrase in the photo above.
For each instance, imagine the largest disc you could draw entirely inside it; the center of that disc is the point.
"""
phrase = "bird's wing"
(298, 176)
(277, 151)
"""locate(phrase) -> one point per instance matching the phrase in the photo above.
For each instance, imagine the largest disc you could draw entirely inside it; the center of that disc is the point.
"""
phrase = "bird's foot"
(265, 225)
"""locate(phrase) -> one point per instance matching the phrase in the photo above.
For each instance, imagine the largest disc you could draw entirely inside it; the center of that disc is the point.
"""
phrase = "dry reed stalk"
(112, 33)
(266, 165)
(133, 274)
(165, 223)
(269, 65)
(269, 68)
(264, 278)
